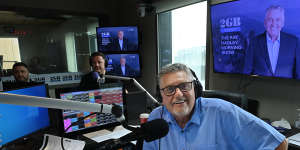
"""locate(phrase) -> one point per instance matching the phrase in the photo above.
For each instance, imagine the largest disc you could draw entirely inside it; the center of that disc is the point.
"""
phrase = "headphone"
(197, 87)
(98, 54)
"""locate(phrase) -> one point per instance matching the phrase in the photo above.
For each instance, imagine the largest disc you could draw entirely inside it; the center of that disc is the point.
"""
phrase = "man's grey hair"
(176, 67)
(275, 7)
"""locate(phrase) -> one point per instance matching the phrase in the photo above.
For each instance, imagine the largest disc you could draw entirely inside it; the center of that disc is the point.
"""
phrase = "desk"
(289, 133)
(103, 137)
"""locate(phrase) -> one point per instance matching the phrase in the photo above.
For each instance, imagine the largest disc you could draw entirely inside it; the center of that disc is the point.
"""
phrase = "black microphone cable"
(161, 117)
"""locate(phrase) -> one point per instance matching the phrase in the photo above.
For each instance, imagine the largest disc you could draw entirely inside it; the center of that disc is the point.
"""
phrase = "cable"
(161, 117)
(244, 83)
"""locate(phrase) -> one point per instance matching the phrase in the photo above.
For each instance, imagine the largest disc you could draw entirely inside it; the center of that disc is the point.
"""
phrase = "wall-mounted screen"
(123, 65)
(257, 37)
(117, 39)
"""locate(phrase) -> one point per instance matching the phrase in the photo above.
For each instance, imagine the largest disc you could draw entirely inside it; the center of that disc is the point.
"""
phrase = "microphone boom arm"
(137, 84)
(15, 99)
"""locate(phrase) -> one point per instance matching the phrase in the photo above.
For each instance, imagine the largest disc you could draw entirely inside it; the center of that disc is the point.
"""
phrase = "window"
(182, 37)
(9, 52)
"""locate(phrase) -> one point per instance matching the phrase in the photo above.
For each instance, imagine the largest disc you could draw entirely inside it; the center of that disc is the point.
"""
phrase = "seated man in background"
(21, 75)
(35, 66)
(20, 72)
(93, 79)
(206, 123)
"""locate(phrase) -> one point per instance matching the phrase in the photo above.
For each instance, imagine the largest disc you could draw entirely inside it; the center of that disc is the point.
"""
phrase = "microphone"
(98, 77)
(15, 99)
(148, 131)
(137, 84)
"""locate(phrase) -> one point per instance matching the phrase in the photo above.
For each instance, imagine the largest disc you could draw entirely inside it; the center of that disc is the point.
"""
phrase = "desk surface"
(102, 135)
(289, 133)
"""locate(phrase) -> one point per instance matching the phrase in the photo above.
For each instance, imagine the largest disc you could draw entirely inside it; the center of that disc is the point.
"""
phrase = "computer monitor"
(19, 121)
(106, 94)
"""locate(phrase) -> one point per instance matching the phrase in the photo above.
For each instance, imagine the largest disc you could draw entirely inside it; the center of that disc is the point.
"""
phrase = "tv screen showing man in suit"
(123, 65)
(117, 39)
(258, 38)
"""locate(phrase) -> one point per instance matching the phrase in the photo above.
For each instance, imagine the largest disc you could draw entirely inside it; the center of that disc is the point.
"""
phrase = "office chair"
(235, 98)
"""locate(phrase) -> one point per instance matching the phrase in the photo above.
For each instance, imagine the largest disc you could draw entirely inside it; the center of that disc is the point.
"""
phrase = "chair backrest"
(235, 98)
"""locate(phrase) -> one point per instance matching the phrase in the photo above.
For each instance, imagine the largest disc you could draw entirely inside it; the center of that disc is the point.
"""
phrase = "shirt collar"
(269, 38)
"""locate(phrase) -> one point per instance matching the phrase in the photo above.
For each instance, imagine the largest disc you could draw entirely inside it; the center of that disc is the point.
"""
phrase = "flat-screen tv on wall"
(123, 64)
(256, 37)
(117, 39)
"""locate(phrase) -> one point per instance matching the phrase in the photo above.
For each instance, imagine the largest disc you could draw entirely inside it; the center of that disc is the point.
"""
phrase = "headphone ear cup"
(106, 62)
(198, 89)
(197, 85)
(158, 95)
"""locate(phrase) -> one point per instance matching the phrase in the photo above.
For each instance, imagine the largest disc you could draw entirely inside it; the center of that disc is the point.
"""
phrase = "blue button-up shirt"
(121, 44)
(216, 125)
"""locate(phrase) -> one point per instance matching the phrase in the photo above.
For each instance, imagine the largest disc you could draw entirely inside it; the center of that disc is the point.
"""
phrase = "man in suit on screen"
(273, 53)
(120, 43)
(123, 69)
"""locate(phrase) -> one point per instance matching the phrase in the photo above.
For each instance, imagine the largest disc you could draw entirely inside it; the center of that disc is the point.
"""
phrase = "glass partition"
(47, 44)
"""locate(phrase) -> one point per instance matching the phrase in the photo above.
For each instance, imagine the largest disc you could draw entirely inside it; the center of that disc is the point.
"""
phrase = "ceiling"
(14, 18)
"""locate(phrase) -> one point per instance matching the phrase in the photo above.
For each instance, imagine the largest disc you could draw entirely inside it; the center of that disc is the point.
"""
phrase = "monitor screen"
(117, 38)
(123, 65)
(18, 121)
(256, 37)
(107, 94)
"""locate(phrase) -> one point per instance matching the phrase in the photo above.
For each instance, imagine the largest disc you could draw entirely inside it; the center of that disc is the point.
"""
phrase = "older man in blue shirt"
(206, 123)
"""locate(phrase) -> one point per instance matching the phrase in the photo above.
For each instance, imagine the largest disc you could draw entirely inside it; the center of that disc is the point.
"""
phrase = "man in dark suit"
(120, 43)
(273, 53)
(92, 79)
(123, 69)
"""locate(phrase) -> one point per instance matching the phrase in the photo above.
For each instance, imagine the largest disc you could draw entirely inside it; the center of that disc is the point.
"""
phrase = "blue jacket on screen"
(257, 60)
